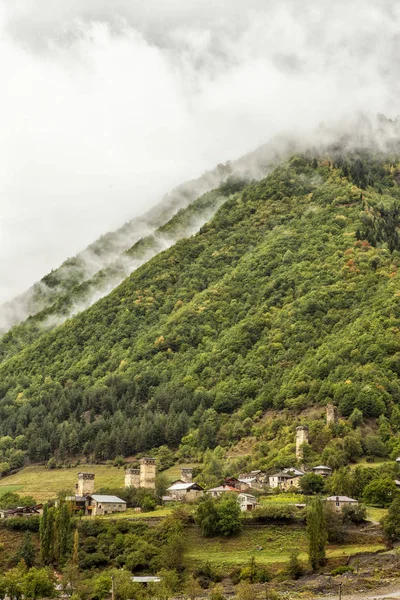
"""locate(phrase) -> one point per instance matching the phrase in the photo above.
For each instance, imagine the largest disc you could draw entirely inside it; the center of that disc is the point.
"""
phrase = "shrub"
(281, 513)
(354, 513)
(342, 569)
(23, 523)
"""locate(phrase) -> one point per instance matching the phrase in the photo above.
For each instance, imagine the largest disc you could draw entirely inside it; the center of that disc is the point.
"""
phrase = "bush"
(355, 513)
(280, 513)
(294, 569)
(342, 569)
(23, 523)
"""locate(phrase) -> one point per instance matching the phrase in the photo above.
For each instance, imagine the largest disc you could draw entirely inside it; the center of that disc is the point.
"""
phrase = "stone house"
(247, 502)
(185, 492)
(338, 503)
(284, 481)
(99, 504)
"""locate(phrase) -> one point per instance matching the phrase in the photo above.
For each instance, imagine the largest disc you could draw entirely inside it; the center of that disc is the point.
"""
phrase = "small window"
(338, 504)
(99, 505)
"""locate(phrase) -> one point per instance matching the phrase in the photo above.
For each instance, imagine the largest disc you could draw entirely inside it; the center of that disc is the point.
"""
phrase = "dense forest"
(287, 298)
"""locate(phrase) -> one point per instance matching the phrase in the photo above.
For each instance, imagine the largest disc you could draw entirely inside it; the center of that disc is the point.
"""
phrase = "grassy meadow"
(44, 484)
(276, 542)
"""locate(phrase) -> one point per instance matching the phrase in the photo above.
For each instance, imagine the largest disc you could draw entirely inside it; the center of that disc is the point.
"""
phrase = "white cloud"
(107, 105)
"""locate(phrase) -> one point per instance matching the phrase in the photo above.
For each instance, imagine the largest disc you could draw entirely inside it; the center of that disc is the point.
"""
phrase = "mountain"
(286, 298)
(95, 271)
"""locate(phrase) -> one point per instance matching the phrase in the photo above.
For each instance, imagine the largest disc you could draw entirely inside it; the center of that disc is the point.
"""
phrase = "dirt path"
(392, 593)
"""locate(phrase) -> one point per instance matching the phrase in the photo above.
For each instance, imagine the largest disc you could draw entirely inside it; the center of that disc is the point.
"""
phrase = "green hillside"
(287, 298)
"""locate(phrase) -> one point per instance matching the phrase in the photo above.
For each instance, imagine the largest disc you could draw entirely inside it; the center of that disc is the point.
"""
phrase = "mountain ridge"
(268, 305)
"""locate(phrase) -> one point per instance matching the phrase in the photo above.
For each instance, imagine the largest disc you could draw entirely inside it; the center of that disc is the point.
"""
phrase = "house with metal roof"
(99, 504)
(338, 503)
(186, 492)
(322, 470)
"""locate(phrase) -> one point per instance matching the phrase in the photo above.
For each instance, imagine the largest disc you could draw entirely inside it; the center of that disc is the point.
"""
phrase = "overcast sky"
(106, 105)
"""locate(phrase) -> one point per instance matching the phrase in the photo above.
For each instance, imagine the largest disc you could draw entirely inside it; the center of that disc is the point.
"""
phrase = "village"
(248, 487)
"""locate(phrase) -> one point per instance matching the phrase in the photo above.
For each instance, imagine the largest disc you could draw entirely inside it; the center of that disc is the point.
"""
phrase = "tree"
(75, 550)
(229, 515)
(294, 569)
(207, 516)
(46, 535)
(391, 522)
(38, 583)
(311, 483)
(380, 492)
(316, 534)
(63, 528)
(27, 551)
(356, 418)
(192, 588)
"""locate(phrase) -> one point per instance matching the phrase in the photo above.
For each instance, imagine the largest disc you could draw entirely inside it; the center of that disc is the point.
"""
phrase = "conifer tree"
(46, 536)
(27, 551)
(75, 550)
(63, 531)
(316, 534)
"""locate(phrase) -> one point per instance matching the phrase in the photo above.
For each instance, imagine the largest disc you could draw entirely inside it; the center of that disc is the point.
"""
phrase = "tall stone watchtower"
(331, 414)
(85, 485)
(302, 437)
(132, 478)
(187, 474)
(148, 473)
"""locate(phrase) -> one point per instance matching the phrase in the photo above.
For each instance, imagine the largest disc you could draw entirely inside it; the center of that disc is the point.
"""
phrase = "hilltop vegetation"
(278, 303)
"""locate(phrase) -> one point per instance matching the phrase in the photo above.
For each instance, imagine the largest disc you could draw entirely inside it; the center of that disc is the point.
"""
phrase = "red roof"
(224, 488)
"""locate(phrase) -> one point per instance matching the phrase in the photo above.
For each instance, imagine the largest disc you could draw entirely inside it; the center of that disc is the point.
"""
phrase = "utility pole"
(340, 591)
(112, 588)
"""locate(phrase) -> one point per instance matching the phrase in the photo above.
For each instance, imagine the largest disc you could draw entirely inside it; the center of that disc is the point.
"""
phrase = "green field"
(44, 484)
(276, 541)
(283, 499)
(9, 488)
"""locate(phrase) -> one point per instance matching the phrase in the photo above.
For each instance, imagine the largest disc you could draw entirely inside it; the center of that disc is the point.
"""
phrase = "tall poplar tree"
(316, 534)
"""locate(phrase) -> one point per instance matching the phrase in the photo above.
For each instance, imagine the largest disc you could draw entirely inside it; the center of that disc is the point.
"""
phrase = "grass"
(44, 484)
(174, 472)
(283, 499)
(9, 488)
(375, 514)
(277, 542)
(378, 462)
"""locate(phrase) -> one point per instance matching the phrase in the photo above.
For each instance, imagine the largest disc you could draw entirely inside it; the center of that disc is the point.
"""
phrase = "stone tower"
(331, 414)
(302, 437)
(132, 478)
(187, 474)
(85, 485)
(148, 473)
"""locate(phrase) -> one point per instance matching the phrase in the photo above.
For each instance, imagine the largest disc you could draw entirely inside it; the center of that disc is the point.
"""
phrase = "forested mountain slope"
(106, 253)
(289, 296)
(70, 298)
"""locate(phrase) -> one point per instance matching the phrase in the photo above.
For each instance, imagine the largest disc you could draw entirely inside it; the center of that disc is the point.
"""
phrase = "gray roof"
(248, 497)
(282, 474)
(105, 498)
(340, 499)
(322, 467)
(146, 579)
(183, 486)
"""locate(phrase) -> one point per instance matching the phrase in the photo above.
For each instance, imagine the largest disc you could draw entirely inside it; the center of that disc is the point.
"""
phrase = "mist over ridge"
(125, 102)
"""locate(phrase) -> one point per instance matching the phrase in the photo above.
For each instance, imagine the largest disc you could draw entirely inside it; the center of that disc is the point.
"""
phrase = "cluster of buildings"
(89, 503)
(186, 490)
